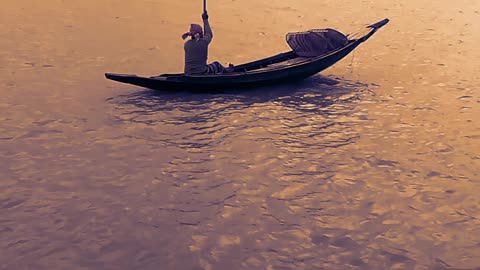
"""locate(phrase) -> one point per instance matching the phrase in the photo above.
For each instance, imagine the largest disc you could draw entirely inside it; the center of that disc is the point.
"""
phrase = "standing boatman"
(196, 50)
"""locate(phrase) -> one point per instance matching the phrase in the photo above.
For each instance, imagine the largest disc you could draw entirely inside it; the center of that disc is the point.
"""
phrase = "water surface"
(372, 165)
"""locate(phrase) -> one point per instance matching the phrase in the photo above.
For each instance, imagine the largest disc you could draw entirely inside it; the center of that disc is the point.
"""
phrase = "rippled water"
(372, 165)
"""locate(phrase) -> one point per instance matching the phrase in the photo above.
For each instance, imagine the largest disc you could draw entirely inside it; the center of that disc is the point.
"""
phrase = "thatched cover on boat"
(315, 42)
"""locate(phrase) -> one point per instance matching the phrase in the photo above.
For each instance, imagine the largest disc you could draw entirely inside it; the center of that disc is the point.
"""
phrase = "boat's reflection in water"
(312, 106)
(302, 116)
(315, 93)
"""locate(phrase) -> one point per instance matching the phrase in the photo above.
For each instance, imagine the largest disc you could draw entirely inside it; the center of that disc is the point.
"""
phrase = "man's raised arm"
(206, 26)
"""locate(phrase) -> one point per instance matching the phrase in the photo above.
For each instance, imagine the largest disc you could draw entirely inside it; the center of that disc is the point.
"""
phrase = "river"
(372, 164)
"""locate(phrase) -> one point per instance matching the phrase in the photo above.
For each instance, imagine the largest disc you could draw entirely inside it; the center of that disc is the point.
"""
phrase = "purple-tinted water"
(372, 165)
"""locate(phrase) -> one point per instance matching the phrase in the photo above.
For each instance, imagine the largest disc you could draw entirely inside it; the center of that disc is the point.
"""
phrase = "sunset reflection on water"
(372, 165)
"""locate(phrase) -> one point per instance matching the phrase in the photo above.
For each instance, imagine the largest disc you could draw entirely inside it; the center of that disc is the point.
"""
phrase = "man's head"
(195, 32)
(196, 29)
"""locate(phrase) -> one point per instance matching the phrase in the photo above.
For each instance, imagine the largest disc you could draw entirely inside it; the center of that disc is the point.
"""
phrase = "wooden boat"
(280, 68)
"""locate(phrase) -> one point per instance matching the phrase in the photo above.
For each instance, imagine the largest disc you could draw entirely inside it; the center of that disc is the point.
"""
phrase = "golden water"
(379, 171)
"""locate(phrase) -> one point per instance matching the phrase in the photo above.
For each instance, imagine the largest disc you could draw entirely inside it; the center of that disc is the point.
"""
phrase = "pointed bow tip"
(379, 24)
